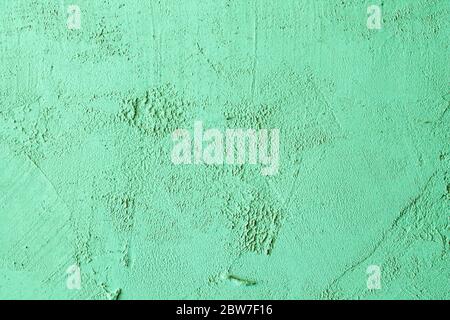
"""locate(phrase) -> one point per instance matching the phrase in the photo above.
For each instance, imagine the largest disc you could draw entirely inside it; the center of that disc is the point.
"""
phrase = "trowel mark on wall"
(318, 123)
(414, 224)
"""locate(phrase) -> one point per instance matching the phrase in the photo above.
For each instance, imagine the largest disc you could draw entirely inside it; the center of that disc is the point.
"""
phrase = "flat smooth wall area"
(224, 149)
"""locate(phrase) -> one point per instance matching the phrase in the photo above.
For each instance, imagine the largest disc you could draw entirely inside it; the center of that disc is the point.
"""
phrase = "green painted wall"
(86, 179)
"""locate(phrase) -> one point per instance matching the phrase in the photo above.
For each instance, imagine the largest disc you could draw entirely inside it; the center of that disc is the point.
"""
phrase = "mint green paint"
(86, 178)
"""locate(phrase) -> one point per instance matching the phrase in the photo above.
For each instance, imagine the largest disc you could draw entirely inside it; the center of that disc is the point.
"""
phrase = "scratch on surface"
(443, 113)
(70, 213)
(156, 44)
(47, 180)
(255, 50)
(393, 226)
(446, 97)
(322, 96)
(210, 63)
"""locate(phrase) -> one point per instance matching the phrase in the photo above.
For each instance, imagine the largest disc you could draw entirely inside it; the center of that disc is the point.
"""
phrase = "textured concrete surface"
(86, 178)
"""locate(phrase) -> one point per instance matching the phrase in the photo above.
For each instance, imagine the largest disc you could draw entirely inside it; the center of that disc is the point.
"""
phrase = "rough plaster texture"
(85, 171)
